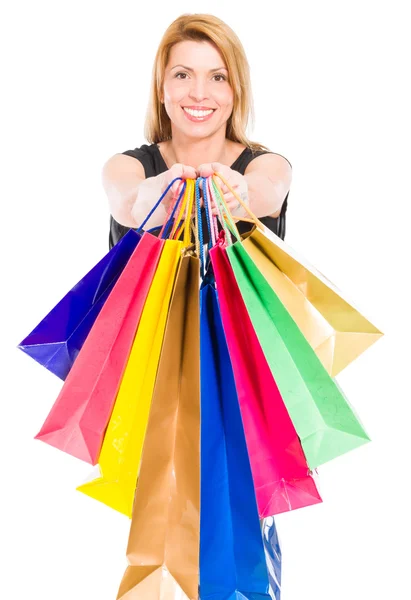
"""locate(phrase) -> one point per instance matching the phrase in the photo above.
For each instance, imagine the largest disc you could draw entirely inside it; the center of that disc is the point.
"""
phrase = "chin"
(199, 131)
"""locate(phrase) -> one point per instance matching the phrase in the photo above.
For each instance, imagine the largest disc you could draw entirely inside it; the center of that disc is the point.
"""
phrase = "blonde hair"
(202, 27)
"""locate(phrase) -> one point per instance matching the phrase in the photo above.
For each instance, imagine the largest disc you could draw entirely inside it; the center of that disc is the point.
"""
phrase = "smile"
(198, 115)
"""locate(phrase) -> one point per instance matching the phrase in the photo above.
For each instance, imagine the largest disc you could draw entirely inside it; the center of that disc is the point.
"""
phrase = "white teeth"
(198, 113)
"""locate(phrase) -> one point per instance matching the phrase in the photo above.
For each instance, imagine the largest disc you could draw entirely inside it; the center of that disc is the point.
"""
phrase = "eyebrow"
(190, 69)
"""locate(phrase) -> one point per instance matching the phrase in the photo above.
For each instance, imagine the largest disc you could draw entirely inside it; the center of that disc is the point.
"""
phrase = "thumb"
(189, 172)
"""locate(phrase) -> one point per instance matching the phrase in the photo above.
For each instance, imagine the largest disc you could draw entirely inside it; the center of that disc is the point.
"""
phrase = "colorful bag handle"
(172, 210)
(184, 225)
(183, 198)
(243, 204)
(140, 229)
(210, 189)
(211, 219)
(198, 228)
(224, 214)
(210, 192)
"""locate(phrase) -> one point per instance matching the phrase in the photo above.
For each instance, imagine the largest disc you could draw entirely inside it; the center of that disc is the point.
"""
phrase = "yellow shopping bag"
(123, 442)
(122, 447)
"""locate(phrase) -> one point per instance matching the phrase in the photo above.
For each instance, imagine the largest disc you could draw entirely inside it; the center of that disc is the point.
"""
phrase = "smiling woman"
(199, 109)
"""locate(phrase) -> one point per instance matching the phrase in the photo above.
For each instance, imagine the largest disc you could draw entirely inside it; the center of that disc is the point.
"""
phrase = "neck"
(195, 152)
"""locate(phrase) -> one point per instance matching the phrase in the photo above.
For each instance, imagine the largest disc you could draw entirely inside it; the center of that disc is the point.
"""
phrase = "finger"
(189, 172)
(184, 171)
(227, 190)
(176, 170)
(174, 188)
(205, 170)
(224, 171)
(230, 199)
(232, 206)
(177, 187)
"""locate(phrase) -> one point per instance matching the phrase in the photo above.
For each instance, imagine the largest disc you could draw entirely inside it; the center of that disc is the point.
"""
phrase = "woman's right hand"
(177, 170)
(151, 189)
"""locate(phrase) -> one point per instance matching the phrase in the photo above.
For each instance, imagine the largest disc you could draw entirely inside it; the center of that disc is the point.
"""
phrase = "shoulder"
(141, 151)
(145, 154)
(138, 160)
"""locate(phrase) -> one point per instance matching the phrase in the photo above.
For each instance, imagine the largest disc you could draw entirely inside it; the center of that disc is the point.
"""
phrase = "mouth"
(198, 115)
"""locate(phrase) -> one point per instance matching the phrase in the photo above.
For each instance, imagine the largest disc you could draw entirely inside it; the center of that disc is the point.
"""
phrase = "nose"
(198, 90)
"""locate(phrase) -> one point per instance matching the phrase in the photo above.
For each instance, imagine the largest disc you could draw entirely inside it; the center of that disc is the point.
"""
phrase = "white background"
(329, 81)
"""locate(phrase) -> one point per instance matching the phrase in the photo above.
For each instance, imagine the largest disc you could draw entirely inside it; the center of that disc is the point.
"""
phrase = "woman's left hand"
(237, 181)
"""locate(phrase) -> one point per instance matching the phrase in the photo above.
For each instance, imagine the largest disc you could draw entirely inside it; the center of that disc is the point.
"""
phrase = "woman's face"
(197, 96)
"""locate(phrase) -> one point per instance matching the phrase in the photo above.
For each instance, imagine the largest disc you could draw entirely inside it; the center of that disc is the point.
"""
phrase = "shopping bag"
(282, 478)
(325, 422)
(123, 441)
(56, 341)
(273, 555)
(163, 546)
(268, 528)
(232, 558)
(336, 330)
(79, 417)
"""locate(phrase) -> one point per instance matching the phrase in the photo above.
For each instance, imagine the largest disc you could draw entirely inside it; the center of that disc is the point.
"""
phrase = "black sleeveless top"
(154, 164)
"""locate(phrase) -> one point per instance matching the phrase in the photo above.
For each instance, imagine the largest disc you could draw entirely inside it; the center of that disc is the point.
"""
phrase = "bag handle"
(212, 219)
(254, 219)
(186, 205)
(224, 214)
(157, 204)
(173, 207)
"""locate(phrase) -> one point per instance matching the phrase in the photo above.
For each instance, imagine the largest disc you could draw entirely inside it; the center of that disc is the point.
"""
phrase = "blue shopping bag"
(232, 554)
(56, 341)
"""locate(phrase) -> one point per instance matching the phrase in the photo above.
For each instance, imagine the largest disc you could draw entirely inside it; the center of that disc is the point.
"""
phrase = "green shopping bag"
(325, 422)
(322, 416)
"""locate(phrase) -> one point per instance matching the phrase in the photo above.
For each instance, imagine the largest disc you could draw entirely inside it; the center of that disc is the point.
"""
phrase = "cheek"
(174, 91)
(224, 97)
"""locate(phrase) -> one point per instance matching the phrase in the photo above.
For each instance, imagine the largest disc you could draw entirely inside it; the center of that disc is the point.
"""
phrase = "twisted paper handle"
(186, 205)
(243, 204)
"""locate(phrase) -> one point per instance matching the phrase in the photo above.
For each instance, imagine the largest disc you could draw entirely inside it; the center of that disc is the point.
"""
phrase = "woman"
(196, 121)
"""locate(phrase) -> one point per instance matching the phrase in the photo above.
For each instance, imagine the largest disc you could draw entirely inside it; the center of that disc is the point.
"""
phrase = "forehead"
(196, 55)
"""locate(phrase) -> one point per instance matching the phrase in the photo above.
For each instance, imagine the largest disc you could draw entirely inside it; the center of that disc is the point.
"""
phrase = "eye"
(177, 76)
(222, 77)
